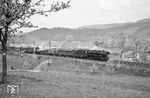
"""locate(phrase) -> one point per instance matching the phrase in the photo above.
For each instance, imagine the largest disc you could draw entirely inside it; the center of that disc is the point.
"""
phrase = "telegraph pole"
(34, 47)
(49, 45)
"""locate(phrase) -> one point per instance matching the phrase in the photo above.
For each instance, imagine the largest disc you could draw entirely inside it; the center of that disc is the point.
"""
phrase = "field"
(72, 78)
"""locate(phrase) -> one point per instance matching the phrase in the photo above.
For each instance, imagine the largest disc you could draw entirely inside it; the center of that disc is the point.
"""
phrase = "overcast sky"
(88, 12)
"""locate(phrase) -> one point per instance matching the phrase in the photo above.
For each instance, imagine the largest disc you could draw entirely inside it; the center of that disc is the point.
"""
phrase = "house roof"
(129, 54)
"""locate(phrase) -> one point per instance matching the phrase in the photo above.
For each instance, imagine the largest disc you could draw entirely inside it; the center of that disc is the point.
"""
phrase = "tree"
(14, 15)
(69, 38)
(99, 42)
(57, 37)
(121, 43)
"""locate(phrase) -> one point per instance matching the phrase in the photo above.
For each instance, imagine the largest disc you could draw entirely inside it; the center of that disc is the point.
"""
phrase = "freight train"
(100, 55)
(78, 53)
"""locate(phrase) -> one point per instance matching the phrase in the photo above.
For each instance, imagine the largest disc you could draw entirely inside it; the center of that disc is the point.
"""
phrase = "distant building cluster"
(42, 45)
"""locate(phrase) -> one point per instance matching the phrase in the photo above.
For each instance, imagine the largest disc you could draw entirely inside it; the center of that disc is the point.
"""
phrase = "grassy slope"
(29, 62)
(56, 84)
(21, 62)
(63, 81)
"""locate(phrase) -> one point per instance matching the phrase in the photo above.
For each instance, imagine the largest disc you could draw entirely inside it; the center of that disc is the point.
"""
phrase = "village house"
(87, 45)
(43, 45)
(131, 56)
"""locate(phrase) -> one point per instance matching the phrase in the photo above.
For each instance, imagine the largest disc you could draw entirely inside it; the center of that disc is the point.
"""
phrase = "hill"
(45, 34)
(139, 29)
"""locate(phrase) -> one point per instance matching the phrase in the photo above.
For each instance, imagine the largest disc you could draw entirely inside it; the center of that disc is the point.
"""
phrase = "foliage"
(14, 15)
(69, 38)
(57, 37)
(99, 43)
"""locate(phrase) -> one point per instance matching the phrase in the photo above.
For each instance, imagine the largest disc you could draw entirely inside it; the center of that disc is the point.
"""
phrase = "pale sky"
(88, 12)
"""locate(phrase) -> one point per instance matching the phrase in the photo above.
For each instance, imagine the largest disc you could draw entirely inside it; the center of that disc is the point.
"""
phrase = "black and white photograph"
(74, 48)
